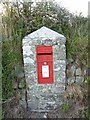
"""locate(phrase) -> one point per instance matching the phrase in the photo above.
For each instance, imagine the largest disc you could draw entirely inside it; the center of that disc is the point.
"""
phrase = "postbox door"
(45, 65)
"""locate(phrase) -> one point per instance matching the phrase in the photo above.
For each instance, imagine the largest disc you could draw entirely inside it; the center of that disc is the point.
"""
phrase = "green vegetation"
(23, 18)
(88, 115)
(65, 107)
(2, 114)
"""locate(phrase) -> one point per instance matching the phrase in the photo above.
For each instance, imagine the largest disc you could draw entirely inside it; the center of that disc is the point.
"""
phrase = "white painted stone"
(57, 69)
(72, 70)
(26, 50)
(28, 60)
(45, 115)
(79, 79)
(78, 72)
(45, 32)
(51, 103)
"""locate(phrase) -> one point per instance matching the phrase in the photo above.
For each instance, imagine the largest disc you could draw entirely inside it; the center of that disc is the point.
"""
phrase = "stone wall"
(44, 96)
(76, 72)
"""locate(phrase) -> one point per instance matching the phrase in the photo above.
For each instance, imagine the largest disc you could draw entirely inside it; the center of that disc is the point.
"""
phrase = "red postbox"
(44, 56)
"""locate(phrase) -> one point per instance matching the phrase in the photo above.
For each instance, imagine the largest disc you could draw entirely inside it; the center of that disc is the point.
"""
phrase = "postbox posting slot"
(44, 53)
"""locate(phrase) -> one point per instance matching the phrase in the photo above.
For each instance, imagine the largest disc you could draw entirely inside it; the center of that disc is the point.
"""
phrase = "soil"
(76, 110)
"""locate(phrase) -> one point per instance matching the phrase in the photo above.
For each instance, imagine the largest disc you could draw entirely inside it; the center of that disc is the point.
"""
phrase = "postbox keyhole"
(45, 63)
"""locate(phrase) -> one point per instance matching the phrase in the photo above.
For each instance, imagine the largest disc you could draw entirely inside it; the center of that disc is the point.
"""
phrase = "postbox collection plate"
(45, 71)
(44, 55)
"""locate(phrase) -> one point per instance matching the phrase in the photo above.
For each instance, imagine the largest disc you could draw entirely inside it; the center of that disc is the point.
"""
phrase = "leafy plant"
(87, 115)
(87, 80)
(65, 107)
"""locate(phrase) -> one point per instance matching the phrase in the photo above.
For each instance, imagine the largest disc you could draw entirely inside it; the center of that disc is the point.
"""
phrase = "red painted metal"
(44, 55)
